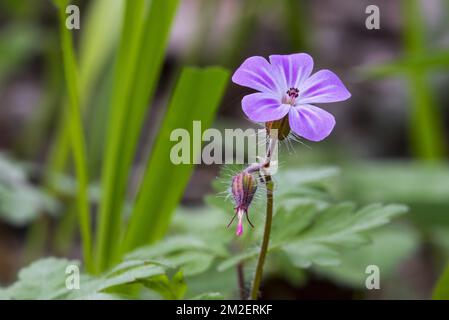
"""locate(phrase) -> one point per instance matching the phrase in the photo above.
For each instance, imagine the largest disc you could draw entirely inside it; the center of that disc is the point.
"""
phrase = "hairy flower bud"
(243, 188)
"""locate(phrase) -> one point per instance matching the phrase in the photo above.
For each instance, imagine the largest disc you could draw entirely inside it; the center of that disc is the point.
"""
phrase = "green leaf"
(20, 201)
(208, 296)
(303, 255)
(397, 181)
(129, 272)
(236, 259)
(97, 41)
(342, 225)
(18, 43)
(380, 252)
(171, 289)
(46, 279)
(427, 134)
(432, 61)
(100, 34)
(196, 97)
(108, 228)
(441, 290)
(191, 254)
(77, 138)
(317, 236)
(141, 52)
(211, 281)
(43, 279)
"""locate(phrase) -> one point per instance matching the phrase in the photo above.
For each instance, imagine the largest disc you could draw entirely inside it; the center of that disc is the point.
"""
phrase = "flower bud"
(243, 189)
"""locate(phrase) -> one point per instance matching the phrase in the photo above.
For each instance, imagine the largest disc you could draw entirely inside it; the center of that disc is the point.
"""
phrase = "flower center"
(292, 94)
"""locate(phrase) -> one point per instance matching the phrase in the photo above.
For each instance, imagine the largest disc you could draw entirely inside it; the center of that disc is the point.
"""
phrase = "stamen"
(291, 96)
(293, 93)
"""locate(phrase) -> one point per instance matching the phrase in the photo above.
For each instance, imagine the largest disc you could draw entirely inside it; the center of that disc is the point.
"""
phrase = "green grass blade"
(441, 290)
(427, 135)
(96, 43)
(108, 228)
(437, 61)
(297, 26)
(196, 97)
(77, 137)
(154, 42)
(100, 34)
(147, 64)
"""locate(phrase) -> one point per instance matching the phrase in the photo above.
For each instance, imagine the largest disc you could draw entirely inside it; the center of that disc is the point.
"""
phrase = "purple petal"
(323, 86)
(256, 73)
(311, 122)
(262, 107)
(294, 68)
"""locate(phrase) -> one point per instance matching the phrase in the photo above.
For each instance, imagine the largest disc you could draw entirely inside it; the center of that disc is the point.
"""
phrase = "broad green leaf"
(196, 98)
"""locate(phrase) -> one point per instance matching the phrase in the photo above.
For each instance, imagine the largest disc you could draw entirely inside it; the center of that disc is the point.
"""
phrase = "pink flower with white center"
(287, 87)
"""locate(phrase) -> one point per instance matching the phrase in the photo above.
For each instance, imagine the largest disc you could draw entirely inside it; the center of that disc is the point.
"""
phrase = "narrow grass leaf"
(107, 230)
(196, 97)
(77, 138)
(141, 54)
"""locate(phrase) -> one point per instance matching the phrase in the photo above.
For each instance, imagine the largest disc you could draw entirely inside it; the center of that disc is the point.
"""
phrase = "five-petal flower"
(287, 87)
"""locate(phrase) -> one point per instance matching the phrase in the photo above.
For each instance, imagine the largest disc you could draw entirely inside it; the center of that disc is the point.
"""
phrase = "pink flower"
(287, 86)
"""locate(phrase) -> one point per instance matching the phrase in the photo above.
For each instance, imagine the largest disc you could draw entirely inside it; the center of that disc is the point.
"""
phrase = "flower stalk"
(265, 241)
(265, 168)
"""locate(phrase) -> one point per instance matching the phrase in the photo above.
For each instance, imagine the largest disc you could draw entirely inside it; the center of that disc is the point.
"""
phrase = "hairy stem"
(265, 241)
(271, 146)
